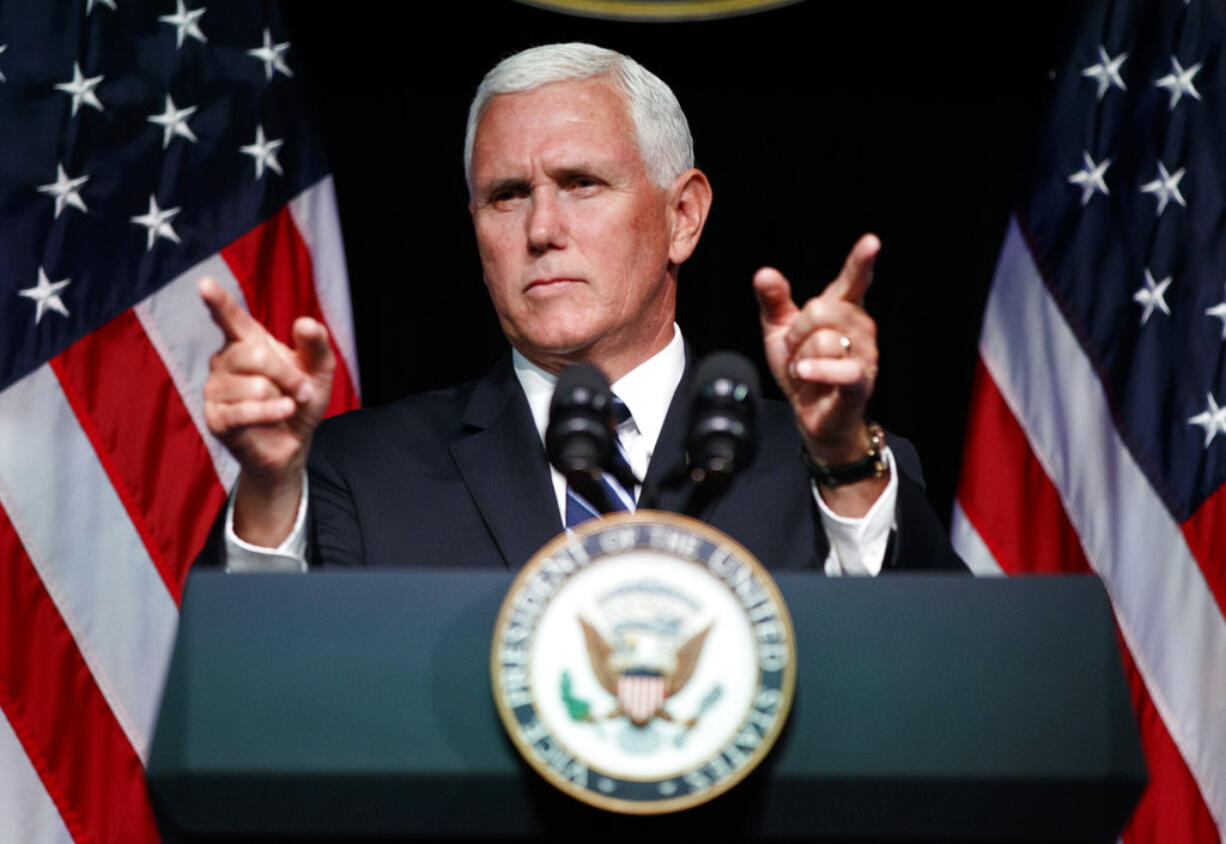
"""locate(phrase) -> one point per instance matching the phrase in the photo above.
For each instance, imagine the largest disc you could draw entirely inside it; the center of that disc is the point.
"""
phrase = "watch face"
(643, 663)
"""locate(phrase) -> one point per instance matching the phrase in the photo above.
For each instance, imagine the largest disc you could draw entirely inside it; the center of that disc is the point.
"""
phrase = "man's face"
(573, 235)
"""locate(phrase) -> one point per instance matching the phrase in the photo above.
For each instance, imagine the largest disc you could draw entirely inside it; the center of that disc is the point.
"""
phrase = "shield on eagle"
(640, 693)
(642, 668)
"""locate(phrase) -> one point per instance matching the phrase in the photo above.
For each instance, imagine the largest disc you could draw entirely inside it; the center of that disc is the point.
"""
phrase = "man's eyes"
(583, 183)
(502, 196)
(579, 184)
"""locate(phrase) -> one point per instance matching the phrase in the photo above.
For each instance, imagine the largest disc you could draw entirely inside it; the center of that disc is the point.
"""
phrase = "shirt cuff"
(857, 546)
(289, 556)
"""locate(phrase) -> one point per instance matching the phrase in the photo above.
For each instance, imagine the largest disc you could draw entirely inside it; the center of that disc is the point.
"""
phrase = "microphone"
(580, 438)
(722, 434)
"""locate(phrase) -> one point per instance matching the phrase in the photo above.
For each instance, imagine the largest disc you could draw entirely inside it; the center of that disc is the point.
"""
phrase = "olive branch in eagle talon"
(612, 664)
(577, 708)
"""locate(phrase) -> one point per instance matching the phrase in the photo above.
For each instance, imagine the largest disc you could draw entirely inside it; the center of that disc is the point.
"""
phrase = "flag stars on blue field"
(264, 152)
(1106, 72)
(157, 222)
(1219, 311)
(174, 122)
(1166, 187)
(1090, 177)
(1151, 296)
(1213, 420)
(65, 191)
(46, 296)
(272, 55)
(1179, 82)
(185, 23)
(81, 89)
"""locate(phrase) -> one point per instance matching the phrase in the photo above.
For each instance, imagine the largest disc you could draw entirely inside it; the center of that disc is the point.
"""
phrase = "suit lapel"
(504, 466)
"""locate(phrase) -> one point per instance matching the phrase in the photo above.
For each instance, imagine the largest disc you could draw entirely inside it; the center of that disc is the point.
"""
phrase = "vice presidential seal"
(643, 663)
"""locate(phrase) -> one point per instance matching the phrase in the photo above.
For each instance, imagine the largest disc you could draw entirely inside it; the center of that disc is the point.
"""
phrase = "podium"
(351, 705)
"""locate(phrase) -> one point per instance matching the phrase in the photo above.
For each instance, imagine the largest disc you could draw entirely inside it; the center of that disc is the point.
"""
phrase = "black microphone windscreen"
(727, 373)
(579, 437)
(721, 437)
(582, 384)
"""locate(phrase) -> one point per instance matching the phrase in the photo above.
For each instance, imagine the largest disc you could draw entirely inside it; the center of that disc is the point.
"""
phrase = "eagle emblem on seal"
(642, 668)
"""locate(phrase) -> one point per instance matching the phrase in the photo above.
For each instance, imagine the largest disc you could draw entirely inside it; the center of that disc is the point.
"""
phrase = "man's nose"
(546, 227)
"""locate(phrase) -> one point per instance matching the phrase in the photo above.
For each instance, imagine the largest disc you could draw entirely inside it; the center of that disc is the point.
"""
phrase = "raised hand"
(824, 355)
(263, 400)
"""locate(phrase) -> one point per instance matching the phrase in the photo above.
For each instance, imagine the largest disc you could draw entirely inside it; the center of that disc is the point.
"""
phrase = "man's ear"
(689, 202)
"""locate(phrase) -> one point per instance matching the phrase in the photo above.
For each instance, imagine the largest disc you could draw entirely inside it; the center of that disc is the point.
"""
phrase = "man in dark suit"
(585, 203)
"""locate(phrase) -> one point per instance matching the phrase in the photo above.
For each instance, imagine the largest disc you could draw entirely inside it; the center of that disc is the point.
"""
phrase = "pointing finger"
(229, 315)
(775, 305)
(857, 274)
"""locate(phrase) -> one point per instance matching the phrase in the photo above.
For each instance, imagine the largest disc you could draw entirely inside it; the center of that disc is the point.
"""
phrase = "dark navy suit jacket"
(459, 477)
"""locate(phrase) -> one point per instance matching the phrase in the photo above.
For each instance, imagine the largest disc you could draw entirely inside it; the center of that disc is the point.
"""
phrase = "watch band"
(871, 465)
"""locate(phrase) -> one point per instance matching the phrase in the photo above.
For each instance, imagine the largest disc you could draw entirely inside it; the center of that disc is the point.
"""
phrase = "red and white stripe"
(640, 695)
(26, 810)
(109, 482)
(1048, 485)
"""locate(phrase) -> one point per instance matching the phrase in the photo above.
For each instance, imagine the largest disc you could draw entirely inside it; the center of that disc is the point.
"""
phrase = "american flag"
(142, 145)
(1097, 433)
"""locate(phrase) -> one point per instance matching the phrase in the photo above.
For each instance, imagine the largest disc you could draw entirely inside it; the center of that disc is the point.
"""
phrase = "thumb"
(775, 305)
(312, 347)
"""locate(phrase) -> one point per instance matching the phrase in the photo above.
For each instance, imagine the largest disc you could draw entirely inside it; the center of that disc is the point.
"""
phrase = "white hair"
(663, 134)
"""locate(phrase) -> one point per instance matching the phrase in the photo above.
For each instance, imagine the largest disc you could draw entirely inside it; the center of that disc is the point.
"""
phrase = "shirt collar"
(647, 389)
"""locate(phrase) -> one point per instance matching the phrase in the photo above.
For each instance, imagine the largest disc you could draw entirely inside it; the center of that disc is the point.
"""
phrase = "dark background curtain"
(815, 122)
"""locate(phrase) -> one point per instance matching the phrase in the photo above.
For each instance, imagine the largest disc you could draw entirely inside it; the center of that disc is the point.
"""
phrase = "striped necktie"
(578, 508)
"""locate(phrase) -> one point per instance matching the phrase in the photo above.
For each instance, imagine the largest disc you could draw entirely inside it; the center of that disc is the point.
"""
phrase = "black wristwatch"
(871, 465)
